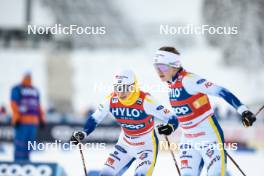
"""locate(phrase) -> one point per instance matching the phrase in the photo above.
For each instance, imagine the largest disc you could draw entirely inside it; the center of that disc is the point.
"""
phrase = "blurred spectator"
(3, 110)
(4, 117)
(27, 115)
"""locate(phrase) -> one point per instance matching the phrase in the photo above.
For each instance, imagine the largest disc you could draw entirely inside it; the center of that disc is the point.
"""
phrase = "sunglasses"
(162, 67)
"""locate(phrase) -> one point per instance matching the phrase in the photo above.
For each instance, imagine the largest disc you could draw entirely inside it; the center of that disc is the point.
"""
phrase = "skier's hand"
(248, 118)
(77, 136)
(165, 129)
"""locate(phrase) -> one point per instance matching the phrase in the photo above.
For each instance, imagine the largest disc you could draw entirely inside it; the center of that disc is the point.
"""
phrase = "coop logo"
(175, 93)
(182, 110)
(133, 126)
(126, 112)
(13, 169)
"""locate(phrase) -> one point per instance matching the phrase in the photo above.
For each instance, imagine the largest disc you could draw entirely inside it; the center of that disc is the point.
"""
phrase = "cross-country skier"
(134, 110)
(201, 132)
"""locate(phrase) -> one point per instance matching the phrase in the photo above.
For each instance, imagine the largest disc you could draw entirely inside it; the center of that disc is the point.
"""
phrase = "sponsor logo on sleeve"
(139, 101)
(160, 107)
(208, 84)
(166, 111)
(200, 81)
(114, 100)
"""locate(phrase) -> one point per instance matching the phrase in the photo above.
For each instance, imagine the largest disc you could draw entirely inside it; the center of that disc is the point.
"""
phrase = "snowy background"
(75, 73)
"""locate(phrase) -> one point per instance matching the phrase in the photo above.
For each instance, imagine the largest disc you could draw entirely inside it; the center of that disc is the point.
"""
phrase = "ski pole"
(235, 163)
(260, 109)
(82, 156)
(173, 156)
(231, 158)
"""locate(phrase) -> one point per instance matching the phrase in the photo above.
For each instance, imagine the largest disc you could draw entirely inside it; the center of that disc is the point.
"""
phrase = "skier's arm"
(195, 84)
(152, 107)
(91, 123)
(94, 119)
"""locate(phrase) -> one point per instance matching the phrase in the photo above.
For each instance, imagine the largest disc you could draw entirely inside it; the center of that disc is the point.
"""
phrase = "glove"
(165, 129)
(77, 136)
(248, 118)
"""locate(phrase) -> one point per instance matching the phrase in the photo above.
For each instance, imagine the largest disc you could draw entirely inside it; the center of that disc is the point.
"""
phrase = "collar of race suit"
(174, 78)
(133, 96)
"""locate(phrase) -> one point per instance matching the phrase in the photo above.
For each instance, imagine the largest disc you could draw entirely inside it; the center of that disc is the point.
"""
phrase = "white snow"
(251, 163)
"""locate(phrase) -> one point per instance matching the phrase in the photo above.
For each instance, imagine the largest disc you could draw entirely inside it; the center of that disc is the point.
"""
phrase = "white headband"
(168, 58)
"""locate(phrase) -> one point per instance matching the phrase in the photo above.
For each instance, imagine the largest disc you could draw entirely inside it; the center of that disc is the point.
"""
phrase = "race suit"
(138, 141)
(202, 138)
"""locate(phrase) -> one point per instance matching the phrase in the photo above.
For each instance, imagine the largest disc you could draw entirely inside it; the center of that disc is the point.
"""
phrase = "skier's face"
(165, 72)
(123, 91)
(123, 95)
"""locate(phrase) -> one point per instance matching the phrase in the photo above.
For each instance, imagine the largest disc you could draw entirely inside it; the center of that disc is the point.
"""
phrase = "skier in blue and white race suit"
(202, 139)
(134, 110)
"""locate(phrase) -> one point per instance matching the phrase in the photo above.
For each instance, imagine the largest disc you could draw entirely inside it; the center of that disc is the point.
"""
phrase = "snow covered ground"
(251, 163)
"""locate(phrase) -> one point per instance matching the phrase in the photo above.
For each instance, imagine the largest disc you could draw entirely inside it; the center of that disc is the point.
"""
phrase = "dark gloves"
(78, 136)
(248, 118)
(165, 129)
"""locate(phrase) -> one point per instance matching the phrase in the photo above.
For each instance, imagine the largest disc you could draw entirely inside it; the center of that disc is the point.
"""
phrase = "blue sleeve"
(195, 84)
(15, 94)
(230, 98)
(90, 125)
(174, 122)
